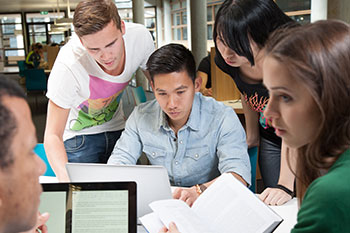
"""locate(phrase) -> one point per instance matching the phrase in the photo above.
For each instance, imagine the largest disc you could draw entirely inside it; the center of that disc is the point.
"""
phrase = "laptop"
(152, 181)
(90, 207)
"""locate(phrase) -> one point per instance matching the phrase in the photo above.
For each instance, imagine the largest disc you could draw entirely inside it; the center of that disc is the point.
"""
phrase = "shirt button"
(196, 156)
(176, 162)
(153, 153)
(181, 142)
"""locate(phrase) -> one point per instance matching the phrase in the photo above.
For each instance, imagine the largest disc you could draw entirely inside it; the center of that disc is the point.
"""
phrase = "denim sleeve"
(128, 148)
(232, 149)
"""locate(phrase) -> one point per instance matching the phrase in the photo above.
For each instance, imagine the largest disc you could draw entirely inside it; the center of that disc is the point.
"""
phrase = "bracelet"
(198, 189)
(203, 187)
(285, 189)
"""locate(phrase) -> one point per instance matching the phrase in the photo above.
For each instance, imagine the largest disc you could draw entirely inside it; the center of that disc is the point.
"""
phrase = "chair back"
(253, 156)
(139, 95)
(35, 80)
(21, 67)
(40, 151)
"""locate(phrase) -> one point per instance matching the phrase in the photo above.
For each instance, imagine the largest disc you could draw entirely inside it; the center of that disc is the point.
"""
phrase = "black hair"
(8, 124)
(239, 21)
(171, 58)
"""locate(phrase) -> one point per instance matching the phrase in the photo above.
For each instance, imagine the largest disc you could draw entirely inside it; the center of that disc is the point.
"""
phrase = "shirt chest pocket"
(196, 154)
(155, 155)
(198, 160)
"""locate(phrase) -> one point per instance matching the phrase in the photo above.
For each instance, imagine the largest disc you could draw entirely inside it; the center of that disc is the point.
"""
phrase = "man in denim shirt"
(195, 137)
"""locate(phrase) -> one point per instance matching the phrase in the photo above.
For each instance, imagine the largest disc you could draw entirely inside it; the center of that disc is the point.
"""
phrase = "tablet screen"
(90, 207)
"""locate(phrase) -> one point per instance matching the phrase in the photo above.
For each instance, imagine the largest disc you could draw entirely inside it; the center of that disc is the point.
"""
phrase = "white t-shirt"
(78, 83)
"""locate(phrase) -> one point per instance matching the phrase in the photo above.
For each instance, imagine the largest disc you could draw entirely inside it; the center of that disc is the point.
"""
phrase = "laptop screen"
(90, 207)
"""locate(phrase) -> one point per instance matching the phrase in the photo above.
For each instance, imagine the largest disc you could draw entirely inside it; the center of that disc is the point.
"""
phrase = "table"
(10, 70)
(235, 104)
(288, 212)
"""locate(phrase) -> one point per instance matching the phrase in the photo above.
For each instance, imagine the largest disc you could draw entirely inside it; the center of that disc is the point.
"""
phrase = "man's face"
(19, 181)
(174, 93)
(107, 48)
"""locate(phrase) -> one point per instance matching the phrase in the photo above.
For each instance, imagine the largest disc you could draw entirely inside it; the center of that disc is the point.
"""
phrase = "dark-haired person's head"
(242, 28)
(20, 168)
(172, 58)
(173, 79)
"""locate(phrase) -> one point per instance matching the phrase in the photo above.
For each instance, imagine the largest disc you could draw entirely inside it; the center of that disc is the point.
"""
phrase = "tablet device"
(90, 207)
(152, 181)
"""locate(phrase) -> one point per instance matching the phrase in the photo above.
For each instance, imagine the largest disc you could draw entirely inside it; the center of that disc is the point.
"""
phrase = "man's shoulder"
(149, 107)
(135, 28)
(212, 106)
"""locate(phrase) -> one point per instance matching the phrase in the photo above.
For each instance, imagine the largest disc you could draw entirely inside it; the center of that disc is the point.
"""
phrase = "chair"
(253, 156)
(40, 151)
(139, 95)
(21, 67)
(35, 79)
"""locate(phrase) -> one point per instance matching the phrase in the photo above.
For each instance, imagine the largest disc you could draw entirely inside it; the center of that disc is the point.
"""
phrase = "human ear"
(198, 83)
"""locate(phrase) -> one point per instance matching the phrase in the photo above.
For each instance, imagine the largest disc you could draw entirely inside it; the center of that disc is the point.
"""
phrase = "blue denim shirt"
(212, 142)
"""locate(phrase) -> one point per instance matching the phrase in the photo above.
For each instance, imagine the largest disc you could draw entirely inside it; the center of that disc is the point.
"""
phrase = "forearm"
(57, 156)
(238, 177)
(251, 124)
(287, 176)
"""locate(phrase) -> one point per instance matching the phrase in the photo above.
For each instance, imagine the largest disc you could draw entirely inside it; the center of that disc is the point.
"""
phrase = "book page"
(177, 211)
(231, 207)
(151, 222)
(100, 211)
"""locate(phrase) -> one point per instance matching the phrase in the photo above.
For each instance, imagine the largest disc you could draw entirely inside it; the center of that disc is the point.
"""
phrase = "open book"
(226, 206)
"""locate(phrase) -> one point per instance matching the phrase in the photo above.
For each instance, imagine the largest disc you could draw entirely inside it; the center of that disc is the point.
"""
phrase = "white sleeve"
(148, 48)
(62, 88)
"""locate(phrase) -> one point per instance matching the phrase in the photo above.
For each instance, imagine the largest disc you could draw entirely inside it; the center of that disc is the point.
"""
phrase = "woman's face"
(231, 58)
(291, 108)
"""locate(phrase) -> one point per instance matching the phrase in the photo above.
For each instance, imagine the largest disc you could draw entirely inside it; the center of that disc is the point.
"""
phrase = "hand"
(172, 229)
(40, 224)
(188, 195)
(274, 196)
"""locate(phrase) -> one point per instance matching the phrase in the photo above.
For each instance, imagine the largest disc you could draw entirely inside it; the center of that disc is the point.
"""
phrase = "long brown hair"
(318, 55)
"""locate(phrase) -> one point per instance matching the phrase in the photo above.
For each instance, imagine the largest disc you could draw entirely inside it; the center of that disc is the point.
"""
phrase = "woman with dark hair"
(306, 71)
(241, 30)
(307, 74)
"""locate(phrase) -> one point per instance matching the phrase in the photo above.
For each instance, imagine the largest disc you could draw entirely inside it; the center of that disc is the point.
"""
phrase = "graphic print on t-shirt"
(103, 102)
(258, 105)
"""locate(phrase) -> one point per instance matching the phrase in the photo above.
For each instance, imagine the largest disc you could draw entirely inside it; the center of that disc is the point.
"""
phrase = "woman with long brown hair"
(307, 73)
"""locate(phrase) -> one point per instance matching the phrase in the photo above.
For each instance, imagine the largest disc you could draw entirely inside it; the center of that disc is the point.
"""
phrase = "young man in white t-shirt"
(85, 116)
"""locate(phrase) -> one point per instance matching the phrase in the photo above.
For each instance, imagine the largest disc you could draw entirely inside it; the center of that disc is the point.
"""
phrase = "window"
(298, 10)
(11, 39)
(212, 9)
(179, 19)
(41, 28)
(150, 19)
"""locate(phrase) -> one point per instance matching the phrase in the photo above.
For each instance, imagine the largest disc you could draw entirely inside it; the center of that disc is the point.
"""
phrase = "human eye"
(162, 93)
(180, 92)
(93, 50)
(285, 98)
